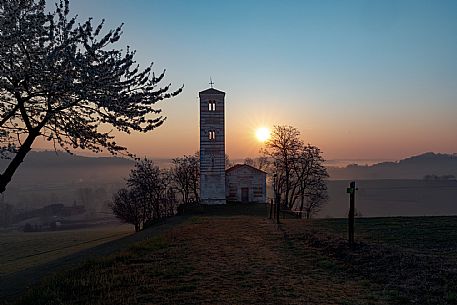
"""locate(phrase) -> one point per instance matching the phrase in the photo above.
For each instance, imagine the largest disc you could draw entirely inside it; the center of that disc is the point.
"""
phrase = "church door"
(244, 194)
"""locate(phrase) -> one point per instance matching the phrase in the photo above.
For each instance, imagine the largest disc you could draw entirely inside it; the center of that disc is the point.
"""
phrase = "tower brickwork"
(212, 146)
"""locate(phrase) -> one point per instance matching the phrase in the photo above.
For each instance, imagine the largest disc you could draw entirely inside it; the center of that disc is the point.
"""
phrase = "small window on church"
(212, 105)
(212, 135)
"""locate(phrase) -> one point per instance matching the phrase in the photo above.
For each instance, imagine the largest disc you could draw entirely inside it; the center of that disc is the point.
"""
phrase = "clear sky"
(360, 79)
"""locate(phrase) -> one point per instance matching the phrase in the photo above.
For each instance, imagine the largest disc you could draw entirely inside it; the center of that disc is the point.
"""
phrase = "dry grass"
(413, 258)
(246, 259)
(233, 260)
(20, 250)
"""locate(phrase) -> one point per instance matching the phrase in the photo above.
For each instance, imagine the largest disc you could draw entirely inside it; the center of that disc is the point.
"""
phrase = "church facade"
(244, 183)
(239, 183)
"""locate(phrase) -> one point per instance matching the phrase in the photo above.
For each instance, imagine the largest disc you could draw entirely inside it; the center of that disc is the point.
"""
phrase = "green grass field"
(234, 255)
(20, 250)
(425, 235)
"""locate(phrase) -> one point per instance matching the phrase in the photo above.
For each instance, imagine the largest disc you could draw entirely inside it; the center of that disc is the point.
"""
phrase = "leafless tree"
(149, 195)
(309, 190)
(228, 163)
(185, 172)
(283, 148)
(300, 173)
(127, 208)
(259, 162)
(66, 82)
(146, 181)
(169, 200)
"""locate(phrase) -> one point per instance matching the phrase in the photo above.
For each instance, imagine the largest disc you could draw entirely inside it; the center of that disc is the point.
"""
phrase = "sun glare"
(262, 134)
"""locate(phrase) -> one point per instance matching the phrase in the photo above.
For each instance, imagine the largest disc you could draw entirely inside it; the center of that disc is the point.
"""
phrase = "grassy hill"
(415, 167)
(222, 255)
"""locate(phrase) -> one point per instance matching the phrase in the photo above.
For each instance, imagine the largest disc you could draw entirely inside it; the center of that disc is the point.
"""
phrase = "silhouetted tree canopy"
(185, 173)
(149, 196)
(66, 82)
(299, 168)
(125, 207)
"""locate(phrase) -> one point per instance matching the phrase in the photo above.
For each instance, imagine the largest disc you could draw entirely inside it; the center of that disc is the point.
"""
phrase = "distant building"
(245, 183)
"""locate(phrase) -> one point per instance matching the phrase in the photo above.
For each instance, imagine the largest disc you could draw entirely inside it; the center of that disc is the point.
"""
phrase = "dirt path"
(247, 260)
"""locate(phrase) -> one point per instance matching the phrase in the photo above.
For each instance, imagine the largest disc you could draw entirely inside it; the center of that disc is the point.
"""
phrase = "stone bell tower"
(212, 146)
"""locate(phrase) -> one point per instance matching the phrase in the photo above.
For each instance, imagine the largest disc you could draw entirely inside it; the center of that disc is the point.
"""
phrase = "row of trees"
(298, 171)
(152, 194)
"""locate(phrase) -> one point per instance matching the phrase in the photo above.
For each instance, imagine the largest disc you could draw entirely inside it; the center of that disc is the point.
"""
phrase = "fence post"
(351, 191)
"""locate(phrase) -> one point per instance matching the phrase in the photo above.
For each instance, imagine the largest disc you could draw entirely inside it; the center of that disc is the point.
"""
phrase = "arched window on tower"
(211, 105)
(212, 135)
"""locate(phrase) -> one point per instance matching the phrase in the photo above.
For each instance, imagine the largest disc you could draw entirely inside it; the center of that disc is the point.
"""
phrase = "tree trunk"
(287, 174)
(5, 178)
(302, 203)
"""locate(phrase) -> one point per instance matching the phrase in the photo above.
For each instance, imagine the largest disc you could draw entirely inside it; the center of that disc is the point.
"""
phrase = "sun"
(262, 134)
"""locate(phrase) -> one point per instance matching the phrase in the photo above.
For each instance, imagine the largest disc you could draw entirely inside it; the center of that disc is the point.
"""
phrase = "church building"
(245, 183)
(240, 183)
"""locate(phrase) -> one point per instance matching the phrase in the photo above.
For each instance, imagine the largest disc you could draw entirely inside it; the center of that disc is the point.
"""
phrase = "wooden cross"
(211, 82)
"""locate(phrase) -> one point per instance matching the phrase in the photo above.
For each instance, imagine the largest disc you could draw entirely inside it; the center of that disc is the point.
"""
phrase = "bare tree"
(126, 207)
(185, 172)
(249, 161)
(283, 147)
(196, 176)
(300, 173)
(149, 196)
(66, 82)
(228, 163)
(309, 187)
(146, 181)
(259, 162)
(169, 201)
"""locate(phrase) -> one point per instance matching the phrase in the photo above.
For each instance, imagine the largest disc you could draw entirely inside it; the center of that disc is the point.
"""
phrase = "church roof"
(238, 166)
(211, 91)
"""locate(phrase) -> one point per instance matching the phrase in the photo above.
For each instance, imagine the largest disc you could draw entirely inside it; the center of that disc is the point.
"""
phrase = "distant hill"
(47, 177)
(51, 167)
(416, 167)
(57, 159)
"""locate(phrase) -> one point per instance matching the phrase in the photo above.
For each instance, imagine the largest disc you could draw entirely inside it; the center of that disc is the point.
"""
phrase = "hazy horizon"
(361, 80)
(341, 162)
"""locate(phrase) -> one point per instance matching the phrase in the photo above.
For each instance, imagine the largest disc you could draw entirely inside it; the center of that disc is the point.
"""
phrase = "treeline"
(153, 194)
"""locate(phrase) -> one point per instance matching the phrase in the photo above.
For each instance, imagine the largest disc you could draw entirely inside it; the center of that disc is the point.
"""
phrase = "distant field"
(19, 250)
(387, 198)
(426, 235)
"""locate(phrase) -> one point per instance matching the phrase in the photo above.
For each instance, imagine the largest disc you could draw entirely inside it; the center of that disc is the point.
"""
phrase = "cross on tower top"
(211, 82)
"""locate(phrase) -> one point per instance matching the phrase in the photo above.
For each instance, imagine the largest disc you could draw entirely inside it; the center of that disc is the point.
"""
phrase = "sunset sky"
(359, 79)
